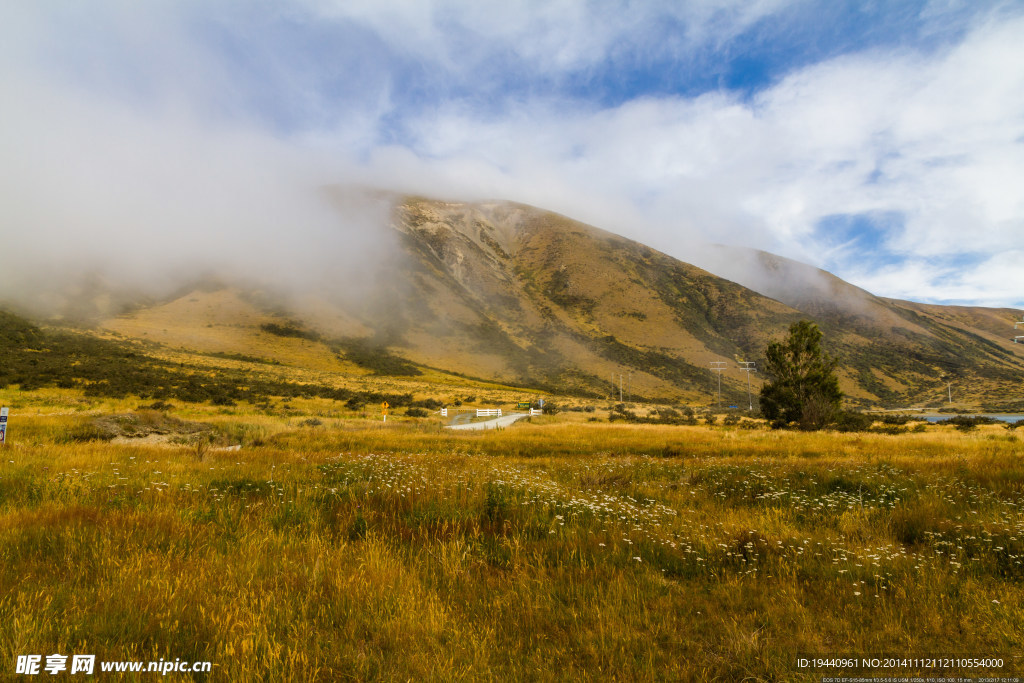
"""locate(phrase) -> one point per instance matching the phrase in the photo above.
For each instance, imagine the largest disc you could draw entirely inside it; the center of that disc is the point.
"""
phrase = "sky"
(881, 141)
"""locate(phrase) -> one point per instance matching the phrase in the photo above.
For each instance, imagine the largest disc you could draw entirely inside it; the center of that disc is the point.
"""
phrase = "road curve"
(503, 421)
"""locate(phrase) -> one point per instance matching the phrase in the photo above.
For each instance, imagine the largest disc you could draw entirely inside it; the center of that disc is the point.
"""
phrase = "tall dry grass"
(348, 550)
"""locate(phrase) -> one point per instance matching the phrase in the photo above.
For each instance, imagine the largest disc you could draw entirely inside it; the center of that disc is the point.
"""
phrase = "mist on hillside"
(147, 146)
(100, 201)
(109, 195)
(796, 284)
(110, 200)
(122, 184)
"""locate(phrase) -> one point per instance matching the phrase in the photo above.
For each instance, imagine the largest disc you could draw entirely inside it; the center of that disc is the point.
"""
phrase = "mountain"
(897, 350)
(511, 293)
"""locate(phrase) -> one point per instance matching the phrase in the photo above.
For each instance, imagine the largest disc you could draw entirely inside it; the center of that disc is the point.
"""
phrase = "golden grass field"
(333, 547)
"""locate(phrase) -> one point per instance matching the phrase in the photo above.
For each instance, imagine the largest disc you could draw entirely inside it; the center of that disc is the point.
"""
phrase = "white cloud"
(933, 138)
(993, 282)
(136, 135)
(552, 36)
(147, 194)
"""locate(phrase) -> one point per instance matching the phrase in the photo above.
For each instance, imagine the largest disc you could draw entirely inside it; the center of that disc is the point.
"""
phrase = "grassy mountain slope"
(509, 294)
(556, 303)
(899, 352)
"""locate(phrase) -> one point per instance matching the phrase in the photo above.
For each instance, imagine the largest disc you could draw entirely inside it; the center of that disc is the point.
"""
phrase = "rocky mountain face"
(514, 292)
(510, 292)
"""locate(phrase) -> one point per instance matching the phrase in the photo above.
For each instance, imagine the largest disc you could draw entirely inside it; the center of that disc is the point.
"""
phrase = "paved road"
(503, 421)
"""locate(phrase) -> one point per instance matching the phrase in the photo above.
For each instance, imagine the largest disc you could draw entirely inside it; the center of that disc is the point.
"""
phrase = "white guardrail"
(493, 412)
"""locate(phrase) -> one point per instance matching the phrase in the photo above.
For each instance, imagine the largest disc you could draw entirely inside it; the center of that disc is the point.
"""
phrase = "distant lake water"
(1005, 417)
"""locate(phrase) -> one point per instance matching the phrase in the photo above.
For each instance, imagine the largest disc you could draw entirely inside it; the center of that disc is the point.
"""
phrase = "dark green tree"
(803, 388)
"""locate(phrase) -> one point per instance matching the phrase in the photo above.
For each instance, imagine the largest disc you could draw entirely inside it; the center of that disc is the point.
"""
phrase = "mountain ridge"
(510, 293)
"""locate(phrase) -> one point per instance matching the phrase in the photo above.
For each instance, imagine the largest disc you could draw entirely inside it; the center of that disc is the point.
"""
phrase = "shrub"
(852, 421)
(290, 329)
(888, 429)
(157, 405)
(895, 419)
(367, 354)
(428, 403)
(966, 424)
(89, 431)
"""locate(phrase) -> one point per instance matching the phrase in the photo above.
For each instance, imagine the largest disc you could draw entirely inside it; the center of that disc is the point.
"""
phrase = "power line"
(749, 367)
(718, 365)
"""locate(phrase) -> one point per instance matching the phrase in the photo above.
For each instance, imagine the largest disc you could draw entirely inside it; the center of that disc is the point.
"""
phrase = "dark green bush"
(852, 421)
(290, 329)
(967, 423)
(367, 354)
(551, 408)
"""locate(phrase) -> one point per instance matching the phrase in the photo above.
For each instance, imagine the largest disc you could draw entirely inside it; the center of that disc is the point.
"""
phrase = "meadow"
(330, 546)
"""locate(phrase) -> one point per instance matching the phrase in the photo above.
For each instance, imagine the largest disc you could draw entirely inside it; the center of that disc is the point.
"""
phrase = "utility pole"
(749, 366)
(719, 365)
(949, 387)
(629, 386)
(620, 387)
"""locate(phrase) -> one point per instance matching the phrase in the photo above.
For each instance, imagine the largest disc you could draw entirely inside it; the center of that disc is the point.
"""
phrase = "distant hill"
(898, 351)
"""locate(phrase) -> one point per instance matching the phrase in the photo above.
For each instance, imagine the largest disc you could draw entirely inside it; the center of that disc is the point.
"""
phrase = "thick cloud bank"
(146, 142)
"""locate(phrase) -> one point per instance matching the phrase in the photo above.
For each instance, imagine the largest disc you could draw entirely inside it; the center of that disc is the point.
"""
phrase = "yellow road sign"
(384, 407)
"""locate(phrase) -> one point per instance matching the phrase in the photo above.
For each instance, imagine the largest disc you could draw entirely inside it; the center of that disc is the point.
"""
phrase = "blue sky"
(883, 141)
